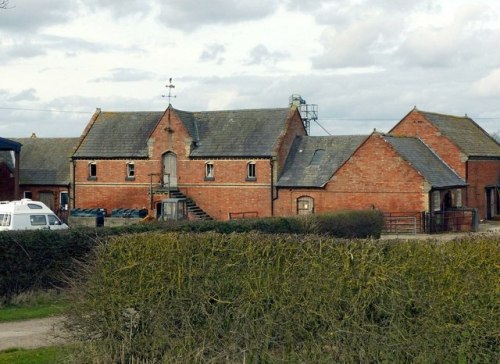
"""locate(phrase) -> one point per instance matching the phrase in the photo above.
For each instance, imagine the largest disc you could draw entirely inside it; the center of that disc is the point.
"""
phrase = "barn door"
(305, 205)
(491, 202)
(170, 169)
(48, 199)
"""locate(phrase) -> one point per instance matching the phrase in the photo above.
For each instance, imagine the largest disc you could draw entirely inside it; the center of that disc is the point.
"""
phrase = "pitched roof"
(45, 161)
(425, 161)
(235, 133)
(313, 160)
(119, 135)
(466, 134)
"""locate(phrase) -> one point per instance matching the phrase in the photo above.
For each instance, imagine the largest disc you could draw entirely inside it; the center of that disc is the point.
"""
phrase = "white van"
(28, 215)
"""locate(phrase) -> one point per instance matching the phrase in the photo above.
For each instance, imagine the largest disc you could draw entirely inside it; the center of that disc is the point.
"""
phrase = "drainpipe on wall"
(72, 197)
(17, 180)
(272, 163)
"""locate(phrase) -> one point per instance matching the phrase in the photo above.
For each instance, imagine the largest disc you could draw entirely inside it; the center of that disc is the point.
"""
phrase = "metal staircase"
(192, 207)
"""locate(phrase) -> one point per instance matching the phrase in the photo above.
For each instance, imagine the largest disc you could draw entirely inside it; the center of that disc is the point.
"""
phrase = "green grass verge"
(32, 305)
(49, 355)
(14, 313)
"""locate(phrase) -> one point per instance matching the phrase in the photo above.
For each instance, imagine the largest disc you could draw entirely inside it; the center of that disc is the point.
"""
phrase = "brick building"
(257, 163)
(227, 162)
(393, 174)
(44, 171)
(466, 148)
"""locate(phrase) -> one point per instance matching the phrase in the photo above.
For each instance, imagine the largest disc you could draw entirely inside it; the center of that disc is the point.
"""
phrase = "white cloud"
(190, 15)
(365, 63)
(489, 85)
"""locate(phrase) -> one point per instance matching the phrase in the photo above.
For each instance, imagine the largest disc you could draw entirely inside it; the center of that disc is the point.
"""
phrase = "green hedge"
(184, 297)
(31, 260)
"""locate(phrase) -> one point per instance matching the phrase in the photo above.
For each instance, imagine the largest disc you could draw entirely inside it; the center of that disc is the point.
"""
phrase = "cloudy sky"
(365, 63)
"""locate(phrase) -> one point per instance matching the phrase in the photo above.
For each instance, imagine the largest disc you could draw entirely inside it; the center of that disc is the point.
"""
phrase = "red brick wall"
(7, 183)
(229, 192)
(36, 189)
(375, 176)
(481, 173)
(111, 189)
(415, 124)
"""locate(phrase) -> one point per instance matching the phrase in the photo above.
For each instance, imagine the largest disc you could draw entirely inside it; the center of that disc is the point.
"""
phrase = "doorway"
(170, 170)
(47, 198)
(305, 205)
(492, 202)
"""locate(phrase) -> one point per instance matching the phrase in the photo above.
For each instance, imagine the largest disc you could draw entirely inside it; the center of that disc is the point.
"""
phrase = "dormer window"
(317, 157)
(209, 171)
(92, 171)
(251, 171)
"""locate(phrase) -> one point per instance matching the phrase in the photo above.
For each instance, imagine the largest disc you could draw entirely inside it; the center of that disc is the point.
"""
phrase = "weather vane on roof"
(170, 87)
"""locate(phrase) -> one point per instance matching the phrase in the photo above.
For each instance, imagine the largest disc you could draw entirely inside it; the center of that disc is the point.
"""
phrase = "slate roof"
(235, 133)
(425, 161)
(304, 169)
(466, 134)
(45, 161)
(119, 135)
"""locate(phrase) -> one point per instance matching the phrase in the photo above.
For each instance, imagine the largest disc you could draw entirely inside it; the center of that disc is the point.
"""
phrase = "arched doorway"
(305, 205)
(170, 170)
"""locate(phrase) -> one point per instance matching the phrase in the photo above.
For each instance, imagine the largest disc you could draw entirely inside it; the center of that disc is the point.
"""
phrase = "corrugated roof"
(119, 135)
(235, 133)
(313, 160)
(45, 161)
(425, 161)
(465, 133)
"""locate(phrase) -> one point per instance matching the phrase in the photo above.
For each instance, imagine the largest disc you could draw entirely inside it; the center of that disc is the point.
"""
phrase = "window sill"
(209, 178)
(251, 179)
(92, 178)
(129, 178)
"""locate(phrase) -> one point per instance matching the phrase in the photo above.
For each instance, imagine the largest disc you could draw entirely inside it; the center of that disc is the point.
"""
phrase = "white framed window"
(92, 170)
(130, 170)
(436, 201)
(64, 200)
(251, 171)
(28, 194)
(209, 171)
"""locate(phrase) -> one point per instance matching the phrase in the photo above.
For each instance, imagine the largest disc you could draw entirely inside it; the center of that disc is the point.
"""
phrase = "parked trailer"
(26, 214)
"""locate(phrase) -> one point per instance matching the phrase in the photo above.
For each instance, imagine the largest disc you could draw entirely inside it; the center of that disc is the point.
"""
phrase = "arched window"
(209, 171)
(92, 170)
(305, 205)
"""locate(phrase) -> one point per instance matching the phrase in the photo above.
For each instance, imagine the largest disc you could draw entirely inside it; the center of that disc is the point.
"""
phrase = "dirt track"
(30, 333)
